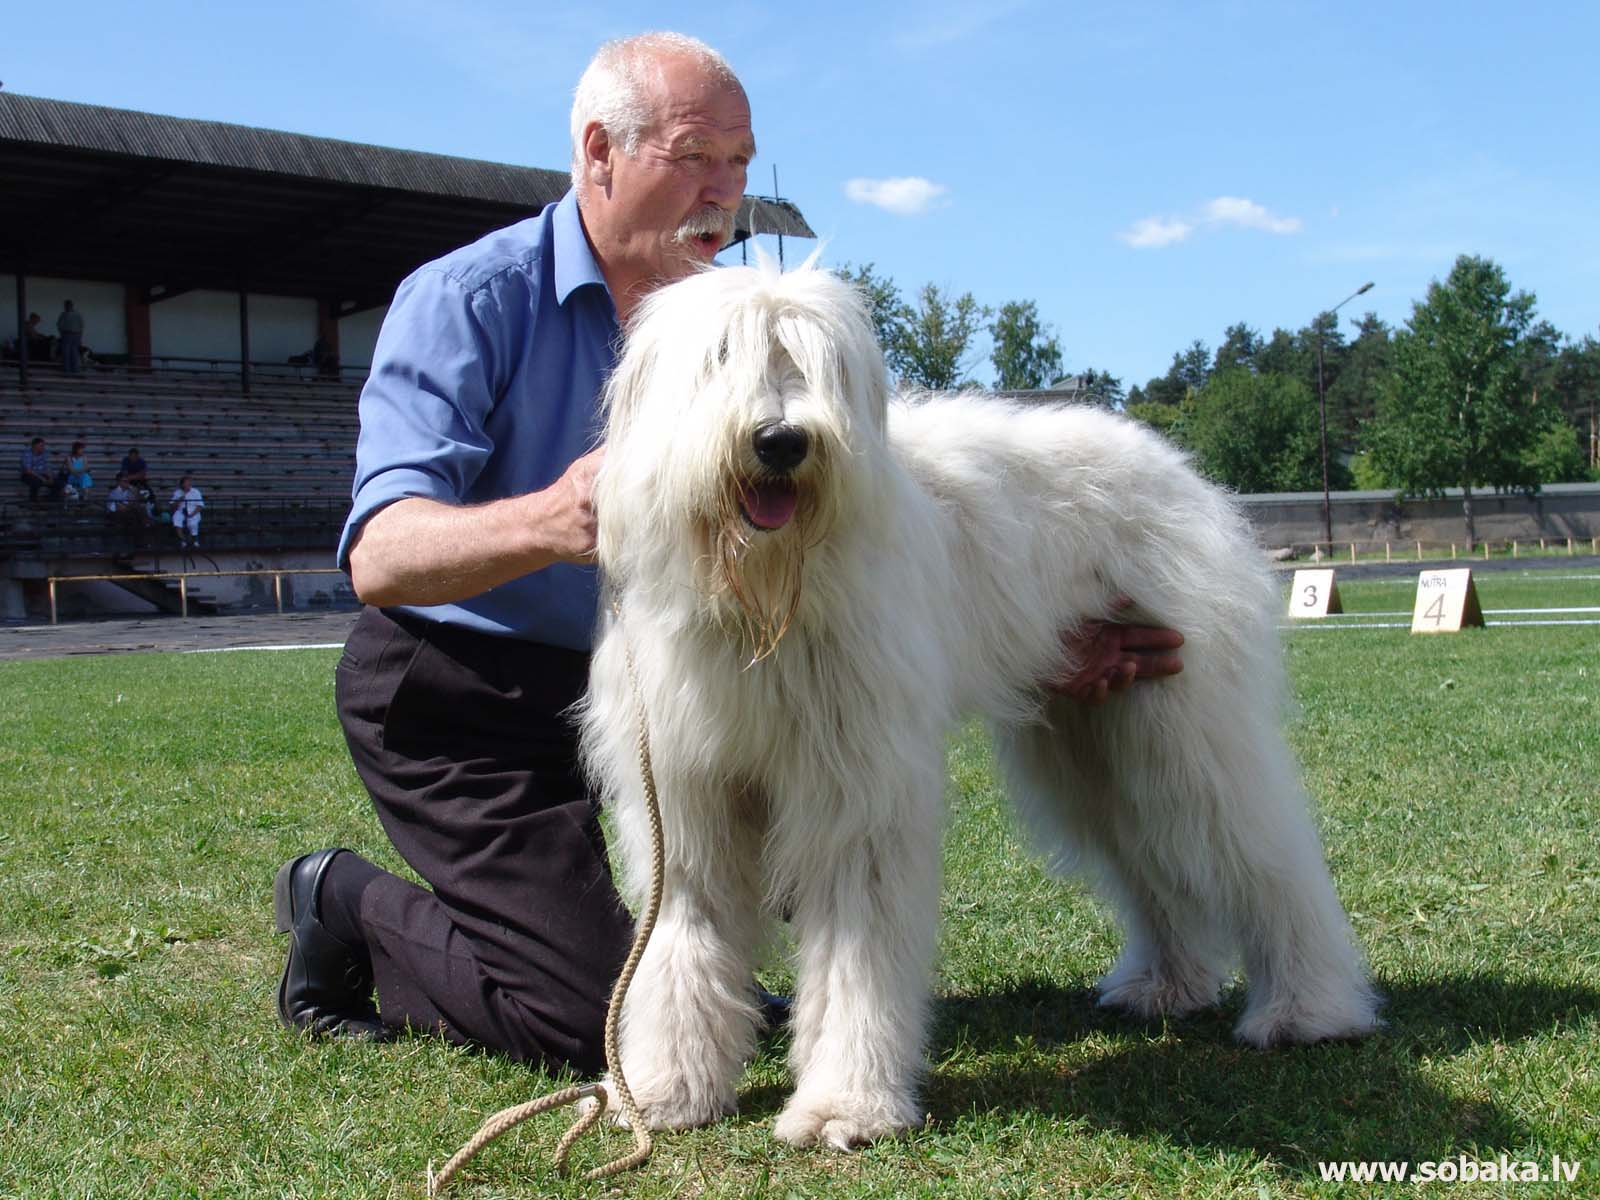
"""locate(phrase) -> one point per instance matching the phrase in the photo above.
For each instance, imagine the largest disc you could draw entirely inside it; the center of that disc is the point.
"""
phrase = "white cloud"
(1152, 233)
(1235, 210)
(906, 195)
(1149, 233)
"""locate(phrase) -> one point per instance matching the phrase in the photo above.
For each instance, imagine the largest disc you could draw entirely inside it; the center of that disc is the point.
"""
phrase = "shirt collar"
(575, 264)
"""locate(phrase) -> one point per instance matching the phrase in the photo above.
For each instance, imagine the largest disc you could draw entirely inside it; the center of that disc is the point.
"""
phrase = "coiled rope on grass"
(511, 1117)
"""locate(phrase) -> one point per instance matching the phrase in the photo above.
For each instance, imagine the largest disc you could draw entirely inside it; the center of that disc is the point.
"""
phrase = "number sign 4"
(1447, 602)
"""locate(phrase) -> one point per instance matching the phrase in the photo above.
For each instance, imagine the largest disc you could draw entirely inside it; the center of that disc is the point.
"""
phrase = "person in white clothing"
(186, 505)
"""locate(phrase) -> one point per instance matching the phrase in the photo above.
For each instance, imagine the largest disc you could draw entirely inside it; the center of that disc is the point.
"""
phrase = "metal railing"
(183, 578)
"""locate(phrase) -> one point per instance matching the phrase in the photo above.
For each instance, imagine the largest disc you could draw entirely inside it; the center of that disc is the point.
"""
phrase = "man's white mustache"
(709, 219)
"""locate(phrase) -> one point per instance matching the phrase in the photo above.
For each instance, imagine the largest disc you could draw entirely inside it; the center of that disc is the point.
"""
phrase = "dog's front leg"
(865, 918)
(689, 1019)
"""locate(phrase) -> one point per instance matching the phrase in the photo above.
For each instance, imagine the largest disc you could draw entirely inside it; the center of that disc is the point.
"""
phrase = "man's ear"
(597, 151)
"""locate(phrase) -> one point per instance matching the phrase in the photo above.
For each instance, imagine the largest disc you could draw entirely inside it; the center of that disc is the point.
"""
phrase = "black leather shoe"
(326, 987)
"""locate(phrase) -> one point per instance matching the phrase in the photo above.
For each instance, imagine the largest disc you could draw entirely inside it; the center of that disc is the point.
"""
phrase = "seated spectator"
(128, 511)
(39, 342)
(134, 467)
(76, 472)
(320, 356)
(186, 505)
(120, 500)
(36, 475)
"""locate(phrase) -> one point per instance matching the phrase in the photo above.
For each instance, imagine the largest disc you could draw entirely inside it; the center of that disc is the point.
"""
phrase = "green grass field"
(148, 799)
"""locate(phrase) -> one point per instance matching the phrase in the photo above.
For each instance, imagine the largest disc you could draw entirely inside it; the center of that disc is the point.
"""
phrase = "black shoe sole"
(283, 921)
(282, 903)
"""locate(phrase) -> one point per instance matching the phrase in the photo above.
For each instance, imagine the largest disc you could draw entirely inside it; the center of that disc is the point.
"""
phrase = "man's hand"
(566, 518)
(1110, 656)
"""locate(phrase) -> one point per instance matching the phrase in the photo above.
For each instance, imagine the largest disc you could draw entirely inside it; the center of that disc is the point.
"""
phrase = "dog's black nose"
(780, 447)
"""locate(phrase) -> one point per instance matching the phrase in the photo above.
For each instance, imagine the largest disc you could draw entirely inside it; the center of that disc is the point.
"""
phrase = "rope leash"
(511, 1117)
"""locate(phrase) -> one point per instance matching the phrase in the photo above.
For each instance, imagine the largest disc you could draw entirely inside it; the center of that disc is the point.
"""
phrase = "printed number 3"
(1311, 596)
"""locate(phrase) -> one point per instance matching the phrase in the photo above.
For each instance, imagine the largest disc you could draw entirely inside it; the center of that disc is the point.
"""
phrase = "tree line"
(1472, 392)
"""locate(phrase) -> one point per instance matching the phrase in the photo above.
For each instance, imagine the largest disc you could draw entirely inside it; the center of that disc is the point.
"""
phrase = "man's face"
(668, 207)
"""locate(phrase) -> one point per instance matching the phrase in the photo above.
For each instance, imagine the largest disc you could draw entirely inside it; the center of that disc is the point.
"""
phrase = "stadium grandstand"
(232, 281)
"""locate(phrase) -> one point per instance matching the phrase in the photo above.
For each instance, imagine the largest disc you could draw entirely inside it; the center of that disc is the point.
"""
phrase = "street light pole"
(1322, 406)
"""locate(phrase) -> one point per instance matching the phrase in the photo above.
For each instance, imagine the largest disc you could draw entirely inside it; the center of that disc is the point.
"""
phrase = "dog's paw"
(1151, 991)
(1288, 1024)
(668, 1103)
(845, 1123)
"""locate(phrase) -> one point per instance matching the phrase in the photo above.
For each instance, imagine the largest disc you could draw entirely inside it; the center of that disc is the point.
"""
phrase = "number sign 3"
(1314, 594)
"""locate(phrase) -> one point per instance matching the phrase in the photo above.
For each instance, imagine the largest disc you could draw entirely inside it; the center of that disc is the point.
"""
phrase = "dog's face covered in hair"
(773, 437)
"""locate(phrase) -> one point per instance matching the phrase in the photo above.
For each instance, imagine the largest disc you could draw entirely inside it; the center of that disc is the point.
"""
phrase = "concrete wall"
(1557, 511)
(202, 324)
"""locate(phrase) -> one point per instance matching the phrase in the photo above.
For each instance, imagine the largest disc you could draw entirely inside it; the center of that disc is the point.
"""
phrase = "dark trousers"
(465, 743)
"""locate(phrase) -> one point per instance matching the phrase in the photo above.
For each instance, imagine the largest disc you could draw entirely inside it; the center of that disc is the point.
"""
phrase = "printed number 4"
(1435, 611)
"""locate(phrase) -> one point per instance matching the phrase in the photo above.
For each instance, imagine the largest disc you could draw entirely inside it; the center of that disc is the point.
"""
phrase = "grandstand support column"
(22, 326)
(244, 340)
(328, 333)
(136, 319)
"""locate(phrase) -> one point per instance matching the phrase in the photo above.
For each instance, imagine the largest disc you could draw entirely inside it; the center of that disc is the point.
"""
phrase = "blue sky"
(1147, 173)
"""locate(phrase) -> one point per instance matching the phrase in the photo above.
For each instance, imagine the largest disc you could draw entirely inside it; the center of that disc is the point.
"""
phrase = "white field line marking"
(1509, 623)
(1299, 626)
(1488, 612)
(301, 646)
(1310, 625)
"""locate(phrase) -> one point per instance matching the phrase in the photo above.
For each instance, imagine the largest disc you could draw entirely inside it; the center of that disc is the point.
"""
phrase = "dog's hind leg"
(865, 918)
(1212, 819)
(689, 1020)
(1175, 956)
(1306, 976)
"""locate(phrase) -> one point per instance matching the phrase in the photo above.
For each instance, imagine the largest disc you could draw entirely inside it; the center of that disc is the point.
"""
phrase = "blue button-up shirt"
(484, 384)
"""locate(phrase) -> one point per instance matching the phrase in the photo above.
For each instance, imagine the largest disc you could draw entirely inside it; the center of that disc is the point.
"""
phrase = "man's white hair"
(616, 87)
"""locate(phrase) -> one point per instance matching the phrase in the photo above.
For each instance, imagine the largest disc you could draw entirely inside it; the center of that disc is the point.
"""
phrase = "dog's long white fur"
(942, 546)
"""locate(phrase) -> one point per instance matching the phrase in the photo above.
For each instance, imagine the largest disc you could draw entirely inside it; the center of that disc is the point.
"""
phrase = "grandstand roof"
(172, 203)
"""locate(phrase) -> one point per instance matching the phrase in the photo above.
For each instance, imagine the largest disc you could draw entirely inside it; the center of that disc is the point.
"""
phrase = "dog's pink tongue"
(769, 504)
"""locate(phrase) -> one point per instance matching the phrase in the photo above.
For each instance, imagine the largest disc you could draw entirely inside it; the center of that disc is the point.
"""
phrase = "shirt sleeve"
(426, 402)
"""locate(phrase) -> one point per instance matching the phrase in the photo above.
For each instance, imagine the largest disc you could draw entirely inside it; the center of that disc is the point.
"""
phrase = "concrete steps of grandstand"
(77, 530)
(168, 596)
(287, 439)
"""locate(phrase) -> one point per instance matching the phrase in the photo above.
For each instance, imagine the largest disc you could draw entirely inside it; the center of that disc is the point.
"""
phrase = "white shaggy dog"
(817, 583)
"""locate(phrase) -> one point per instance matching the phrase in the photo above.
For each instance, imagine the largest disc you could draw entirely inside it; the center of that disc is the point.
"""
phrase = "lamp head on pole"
(1365, 288)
